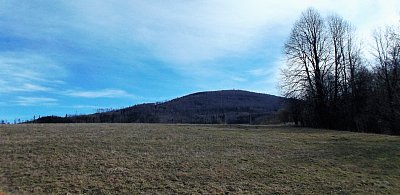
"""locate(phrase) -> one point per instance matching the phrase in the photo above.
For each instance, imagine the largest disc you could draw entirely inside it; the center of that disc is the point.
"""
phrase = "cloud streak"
(104, 93)
(36, 101)
(28, 72)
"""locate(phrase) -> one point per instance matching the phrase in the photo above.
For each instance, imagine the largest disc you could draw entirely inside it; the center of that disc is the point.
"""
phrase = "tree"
(308, 64)
(348, 69)
(338, 28)
(387, 54)
(325, 71)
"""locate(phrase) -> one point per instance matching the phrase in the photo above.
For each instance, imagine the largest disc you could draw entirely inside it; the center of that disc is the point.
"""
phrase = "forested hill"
(226, 106)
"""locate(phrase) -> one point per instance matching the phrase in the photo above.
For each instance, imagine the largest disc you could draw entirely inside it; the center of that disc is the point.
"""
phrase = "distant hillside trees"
(214, 107)
(329, 83)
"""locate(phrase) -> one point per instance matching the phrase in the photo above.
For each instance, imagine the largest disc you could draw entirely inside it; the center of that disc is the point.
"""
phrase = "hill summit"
(211, 107)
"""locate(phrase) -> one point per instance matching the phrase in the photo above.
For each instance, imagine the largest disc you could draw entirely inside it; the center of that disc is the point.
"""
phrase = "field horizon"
(166, 158)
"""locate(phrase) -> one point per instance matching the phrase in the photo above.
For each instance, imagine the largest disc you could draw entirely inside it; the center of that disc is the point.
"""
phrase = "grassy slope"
(121, 158)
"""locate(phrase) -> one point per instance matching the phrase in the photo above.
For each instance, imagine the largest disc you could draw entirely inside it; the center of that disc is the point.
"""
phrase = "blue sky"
(66, 57)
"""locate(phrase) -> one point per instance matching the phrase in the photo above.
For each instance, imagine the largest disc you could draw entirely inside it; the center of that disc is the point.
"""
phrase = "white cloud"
(265, 71)
(191, 37)
(185, 33)
(190, 32)
(36, 101)
(104, 93)
(23, 87)
(32, 87)
(238, 79)
(28, 72)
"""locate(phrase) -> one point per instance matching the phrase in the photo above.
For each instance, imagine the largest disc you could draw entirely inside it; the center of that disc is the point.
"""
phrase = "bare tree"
(387, 53)
(307, 53)
(348, 70)
(338, 28)
(324, 69)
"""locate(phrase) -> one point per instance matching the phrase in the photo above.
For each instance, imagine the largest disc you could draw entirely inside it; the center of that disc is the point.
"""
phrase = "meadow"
(195, 159)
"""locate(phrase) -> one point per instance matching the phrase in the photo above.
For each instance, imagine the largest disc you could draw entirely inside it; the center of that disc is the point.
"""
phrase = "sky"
(62, 57)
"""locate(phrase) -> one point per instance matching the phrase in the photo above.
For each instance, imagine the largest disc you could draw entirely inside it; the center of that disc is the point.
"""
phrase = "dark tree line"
(330, 82)
(218, 107)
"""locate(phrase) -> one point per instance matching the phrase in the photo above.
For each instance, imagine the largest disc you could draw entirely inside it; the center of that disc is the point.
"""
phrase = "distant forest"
(212, 107)
(333, 85)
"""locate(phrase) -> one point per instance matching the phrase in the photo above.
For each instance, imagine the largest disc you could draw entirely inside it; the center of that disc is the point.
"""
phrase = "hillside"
(226, 106)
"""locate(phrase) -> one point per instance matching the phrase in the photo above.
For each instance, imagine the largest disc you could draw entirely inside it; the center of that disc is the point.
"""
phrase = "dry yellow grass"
(156, 158)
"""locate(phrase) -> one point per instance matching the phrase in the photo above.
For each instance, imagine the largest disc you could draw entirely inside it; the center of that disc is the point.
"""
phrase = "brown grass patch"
(143, 158)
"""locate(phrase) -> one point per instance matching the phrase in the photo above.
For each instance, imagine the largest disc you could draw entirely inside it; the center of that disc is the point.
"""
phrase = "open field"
(144, 158)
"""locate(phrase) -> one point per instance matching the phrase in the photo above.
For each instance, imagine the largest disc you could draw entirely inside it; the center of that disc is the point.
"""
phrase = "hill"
(226, 106)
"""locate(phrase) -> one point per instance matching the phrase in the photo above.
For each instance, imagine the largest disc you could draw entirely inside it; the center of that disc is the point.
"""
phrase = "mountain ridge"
(206, 107)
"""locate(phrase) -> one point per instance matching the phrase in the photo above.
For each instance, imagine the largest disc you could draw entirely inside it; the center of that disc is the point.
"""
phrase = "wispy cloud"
(184, 34)
(33, 87)
(59, 49)
(268, 71)
(24, 87)
(104, 93)
(260, 71)
(191, 32)
(238, 79)
(36, 101)
(194, 37)
(28, 72)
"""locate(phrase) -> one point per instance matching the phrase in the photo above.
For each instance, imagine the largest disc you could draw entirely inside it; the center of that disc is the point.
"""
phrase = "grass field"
(144, 158)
